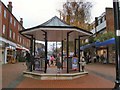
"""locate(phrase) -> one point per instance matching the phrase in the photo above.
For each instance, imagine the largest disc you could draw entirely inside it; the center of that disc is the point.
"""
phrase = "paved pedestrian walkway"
(106, 71)
(13, 78)
(12, 74)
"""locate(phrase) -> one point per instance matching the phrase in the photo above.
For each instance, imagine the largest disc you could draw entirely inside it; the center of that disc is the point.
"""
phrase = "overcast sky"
(35, 12)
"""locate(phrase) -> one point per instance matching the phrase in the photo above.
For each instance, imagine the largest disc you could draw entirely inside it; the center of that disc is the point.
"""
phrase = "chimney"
(10, 6)
(21, 21)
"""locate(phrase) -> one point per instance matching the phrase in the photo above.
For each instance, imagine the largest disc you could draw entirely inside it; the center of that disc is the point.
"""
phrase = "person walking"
(48, 58)
(52, 59)
(105, 57)
(59, 65)
(27, 60)
(83, 63)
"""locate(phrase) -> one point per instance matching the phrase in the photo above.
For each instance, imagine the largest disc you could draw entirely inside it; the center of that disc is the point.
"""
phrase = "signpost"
(116, 8)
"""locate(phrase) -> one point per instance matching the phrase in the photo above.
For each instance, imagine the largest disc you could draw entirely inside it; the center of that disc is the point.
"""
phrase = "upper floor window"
(23, 42)
(5, 13)
(18, 27)
(18, 38)
(99, 21)
(10, 35)
(0, 9)
(4, 29)
(11, 20)
(103, 18)
(14, 35)
(14, 23)
(21, 28)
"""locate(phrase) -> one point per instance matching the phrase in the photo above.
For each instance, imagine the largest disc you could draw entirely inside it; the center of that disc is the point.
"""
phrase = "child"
(83, 63)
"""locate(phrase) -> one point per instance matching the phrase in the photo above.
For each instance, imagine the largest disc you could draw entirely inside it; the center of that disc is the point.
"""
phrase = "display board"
(74, 63)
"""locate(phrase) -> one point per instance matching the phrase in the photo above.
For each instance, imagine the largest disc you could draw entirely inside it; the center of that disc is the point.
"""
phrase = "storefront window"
(11, 54)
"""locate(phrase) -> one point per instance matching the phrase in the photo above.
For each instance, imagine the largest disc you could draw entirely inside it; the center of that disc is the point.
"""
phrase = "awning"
(107, 42)
(19, 47)
(8, 42)
(56, 31)
(88, 45)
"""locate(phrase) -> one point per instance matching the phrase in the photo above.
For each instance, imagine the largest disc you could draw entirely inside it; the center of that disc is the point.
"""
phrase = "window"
(18, 38)
(5, 13)
(103, 18)
(11, 20)
(0, 9)
(99, 21)
(27, 44)
(13, 35)
(4, 27)
(10, 35)
(21, 28)
(23, 41)
(18, 27)
(14, 23)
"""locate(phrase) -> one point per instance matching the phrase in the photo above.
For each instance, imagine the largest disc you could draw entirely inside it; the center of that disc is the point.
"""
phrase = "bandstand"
(55, 30)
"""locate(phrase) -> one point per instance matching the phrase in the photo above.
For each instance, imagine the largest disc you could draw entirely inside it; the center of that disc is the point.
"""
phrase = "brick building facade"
(10, 37)
(104, 24)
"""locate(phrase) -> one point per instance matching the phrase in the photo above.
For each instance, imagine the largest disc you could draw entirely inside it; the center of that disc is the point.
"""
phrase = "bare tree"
(76, 12)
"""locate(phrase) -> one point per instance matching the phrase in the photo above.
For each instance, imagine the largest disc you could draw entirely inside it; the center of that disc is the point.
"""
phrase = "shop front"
(2, 52)
(8, 51)
(11, 54)
(107, 46)
(20, 53)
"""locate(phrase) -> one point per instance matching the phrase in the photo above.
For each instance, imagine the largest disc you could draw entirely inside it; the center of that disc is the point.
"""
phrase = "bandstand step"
(58, 76)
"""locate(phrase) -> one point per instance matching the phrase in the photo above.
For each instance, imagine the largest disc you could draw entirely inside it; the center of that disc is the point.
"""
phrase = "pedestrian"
(105, 57)
(52, 59)
(102, 58)
(37, 64)
(97, 57)
(32, 63)
(48, 58)
(27, 60)
(59, 65)
(83, 63)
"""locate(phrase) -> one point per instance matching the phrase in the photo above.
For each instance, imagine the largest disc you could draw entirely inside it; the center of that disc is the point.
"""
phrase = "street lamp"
(117, 41)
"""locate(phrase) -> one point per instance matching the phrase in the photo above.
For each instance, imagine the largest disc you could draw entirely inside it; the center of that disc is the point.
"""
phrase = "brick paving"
(13, 78)
(106, 71)
(88, 81)
(11, 73)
